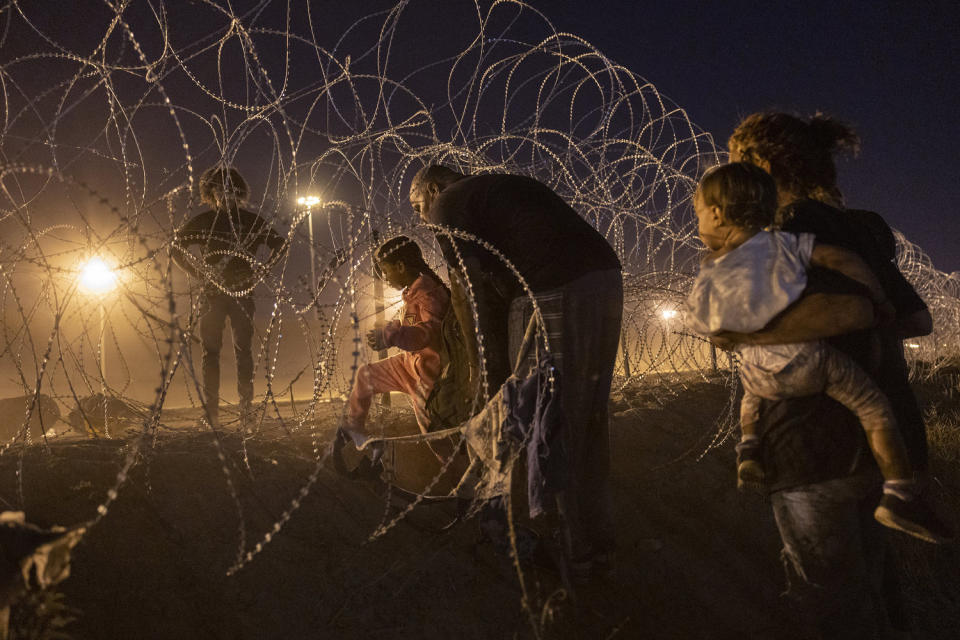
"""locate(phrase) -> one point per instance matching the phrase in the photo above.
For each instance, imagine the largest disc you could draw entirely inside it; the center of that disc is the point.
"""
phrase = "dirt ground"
(696, 559)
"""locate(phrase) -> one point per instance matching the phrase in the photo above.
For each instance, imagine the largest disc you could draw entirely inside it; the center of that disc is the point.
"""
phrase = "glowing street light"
(309, 202)
(98, 278)
(669, 314)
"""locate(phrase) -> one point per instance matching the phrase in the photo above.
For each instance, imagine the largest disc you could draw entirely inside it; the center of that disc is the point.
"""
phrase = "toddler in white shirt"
(750, 276)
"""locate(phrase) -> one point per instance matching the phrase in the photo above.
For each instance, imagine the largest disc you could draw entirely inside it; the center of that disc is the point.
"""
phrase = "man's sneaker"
(750, 473)
(913, 517)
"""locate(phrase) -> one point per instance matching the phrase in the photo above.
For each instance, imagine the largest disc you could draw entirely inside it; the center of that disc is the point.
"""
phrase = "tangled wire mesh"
(104, 139)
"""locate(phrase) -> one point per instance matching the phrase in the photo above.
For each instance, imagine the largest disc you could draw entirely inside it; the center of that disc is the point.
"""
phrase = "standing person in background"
(228, 238)
(575, 277)
(823, 484)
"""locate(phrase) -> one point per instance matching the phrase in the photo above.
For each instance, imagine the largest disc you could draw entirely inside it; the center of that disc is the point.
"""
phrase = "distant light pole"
(98, 279)
(379, 308)
(309, 202)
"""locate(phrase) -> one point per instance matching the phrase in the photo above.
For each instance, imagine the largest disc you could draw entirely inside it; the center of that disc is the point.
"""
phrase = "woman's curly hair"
(800, 151)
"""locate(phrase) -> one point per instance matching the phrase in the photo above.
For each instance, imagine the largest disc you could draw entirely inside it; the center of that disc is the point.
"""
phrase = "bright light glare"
(669, 314)
(913, 345)
(97, 276)
(308, 201)
(393, 299)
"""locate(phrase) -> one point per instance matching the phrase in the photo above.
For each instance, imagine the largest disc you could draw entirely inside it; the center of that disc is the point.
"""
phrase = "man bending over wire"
(575, 276)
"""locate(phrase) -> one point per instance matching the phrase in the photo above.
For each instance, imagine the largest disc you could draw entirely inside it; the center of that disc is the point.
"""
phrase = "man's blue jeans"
(834, 554)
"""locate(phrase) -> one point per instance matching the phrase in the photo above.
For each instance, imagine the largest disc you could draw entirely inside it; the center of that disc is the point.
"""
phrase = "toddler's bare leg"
(749, 414)
(902, 507)
(749, 468)
(849, 385)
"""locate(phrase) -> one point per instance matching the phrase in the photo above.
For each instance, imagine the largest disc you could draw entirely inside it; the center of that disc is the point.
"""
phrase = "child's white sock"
(905, 489)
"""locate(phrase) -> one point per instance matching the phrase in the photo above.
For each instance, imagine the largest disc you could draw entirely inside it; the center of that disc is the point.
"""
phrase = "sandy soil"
(696, 559)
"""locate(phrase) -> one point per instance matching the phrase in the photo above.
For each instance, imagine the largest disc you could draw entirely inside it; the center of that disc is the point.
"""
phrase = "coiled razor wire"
(103, 137)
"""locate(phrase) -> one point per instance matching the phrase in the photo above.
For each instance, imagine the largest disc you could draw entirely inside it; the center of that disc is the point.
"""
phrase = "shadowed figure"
(751, 275)
(575, 277)
(228, 238)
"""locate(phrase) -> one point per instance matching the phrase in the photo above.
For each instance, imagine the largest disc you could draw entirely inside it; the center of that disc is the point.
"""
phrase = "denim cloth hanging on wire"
(534, 418)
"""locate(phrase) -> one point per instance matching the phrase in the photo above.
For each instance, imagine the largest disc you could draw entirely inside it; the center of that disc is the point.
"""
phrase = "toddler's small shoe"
(913, 517)
(750, 473)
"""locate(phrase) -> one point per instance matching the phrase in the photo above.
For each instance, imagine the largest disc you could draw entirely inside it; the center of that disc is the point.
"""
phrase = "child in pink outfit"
(415, 369)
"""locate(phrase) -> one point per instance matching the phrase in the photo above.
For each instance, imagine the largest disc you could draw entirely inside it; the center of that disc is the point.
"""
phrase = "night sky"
(889, 68)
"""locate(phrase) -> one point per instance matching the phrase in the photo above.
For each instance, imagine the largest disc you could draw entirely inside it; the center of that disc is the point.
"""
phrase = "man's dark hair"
(435, 174)
(799, 150)
(222, 187)
(745, 193)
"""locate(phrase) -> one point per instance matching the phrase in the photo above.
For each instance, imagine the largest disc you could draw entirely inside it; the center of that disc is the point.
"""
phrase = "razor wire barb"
(103, 139)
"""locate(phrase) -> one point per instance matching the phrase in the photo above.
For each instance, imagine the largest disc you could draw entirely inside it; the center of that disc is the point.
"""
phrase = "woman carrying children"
(415, 369)
(824, 489)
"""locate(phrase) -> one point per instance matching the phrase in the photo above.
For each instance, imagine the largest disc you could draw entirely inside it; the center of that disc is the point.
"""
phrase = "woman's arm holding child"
(813, 317)
(852, 266)
(823, 315)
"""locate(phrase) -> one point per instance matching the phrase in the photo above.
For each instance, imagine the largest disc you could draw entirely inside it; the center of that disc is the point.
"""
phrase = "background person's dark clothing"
(237, 230)
(534, 228)
(216, 232)
(575, 273)
(823, 479)
(215, 309)
(814, 439)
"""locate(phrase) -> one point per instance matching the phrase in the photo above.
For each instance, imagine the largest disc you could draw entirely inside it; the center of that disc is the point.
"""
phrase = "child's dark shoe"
(913, 517)
(750, 473)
